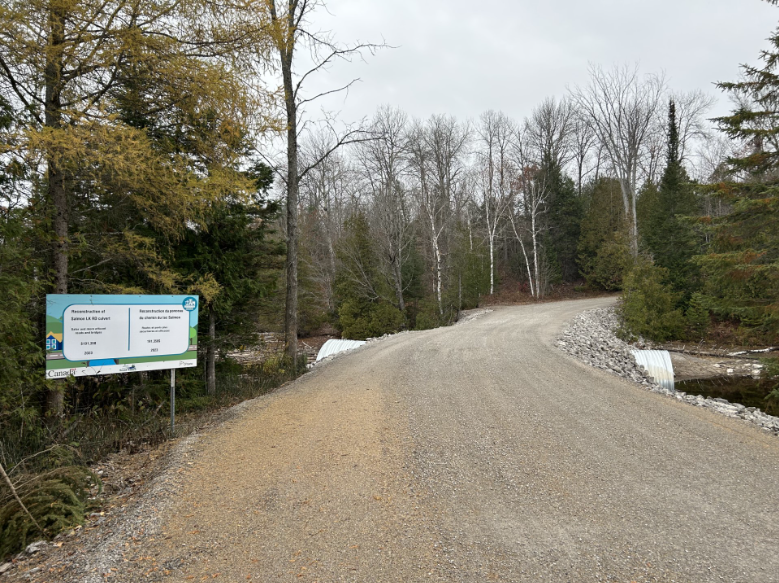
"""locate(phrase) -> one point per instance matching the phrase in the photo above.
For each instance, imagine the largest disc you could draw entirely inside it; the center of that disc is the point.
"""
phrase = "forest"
(165, 148)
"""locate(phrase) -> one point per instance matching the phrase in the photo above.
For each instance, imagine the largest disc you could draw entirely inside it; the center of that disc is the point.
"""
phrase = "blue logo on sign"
(190, 304)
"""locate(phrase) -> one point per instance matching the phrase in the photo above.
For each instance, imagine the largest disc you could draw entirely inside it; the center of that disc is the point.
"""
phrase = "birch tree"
(528, 206)
(495, 133)
(622, 109)
(436, 151)
(383, 162)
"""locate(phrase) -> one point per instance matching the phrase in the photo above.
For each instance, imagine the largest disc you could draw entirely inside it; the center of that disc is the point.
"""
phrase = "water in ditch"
(747, 391)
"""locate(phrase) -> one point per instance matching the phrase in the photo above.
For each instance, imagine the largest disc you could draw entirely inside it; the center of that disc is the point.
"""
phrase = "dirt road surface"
(477, 452)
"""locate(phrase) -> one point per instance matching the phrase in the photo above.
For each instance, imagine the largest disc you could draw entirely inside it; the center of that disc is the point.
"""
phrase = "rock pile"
(590, 338)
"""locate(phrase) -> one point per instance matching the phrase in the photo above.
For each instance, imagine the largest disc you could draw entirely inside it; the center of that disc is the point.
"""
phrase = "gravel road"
(478, 452)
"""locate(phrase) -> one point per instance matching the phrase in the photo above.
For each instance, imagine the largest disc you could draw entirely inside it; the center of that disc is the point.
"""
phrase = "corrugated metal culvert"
(332, 347)
(658, 364)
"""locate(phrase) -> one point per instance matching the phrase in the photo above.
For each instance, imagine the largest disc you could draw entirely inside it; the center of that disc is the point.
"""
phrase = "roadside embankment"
(590, 338)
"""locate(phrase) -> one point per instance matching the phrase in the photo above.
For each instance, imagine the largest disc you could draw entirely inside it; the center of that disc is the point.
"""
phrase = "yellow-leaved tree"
(132, 117)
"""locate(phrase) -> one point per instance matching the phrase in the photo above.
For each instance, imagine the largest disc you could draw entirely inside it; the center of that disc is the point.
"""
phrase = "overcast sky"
(463, 57)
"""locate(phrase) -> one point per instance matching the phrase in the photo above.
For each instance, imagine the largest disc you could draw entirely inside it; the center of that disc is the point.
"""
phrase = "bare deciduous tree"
(691, 107)
(495, 132)
(325, 196)
(528, 206)
(550, 131)
(436, 151)
(622, 109)
(583, 142)
(384, 160)
(290, 31)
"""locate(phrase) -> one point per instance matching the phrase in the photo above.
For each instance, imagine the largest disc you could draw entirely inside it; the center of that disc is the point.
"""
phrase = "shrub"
(57, 499)
(607, 269)
(648, 306)
(360, 319)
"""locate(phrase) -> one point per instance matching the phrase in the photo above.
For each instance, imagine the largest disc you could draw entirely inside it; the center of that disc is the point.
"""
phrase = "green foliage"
(20, 348)
(608, 268)
(428, 315)
(360, 319)
(755, 122)
(57, 499)
(603, 249)
(648, 307)
(697, 317)
(670, 239)
(364, 297)
(470, 277)
(740, 266)
(564, 217)
(412, 271)
(771, 374)
(235, 249)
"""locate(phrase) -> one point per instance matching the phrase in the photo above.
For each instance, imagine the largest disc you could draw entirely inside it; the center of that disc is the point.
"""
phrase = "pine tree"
(669, 238)
(741, 267)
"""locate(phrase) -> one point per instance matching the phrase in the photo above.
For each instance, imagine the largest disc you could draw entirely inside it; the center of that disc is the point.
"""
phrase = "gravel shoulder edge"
(590, 338)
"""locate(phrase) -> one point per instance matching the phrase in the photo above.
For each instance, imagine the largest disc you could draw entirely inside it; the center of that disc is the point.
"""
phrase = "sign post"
(172, 400)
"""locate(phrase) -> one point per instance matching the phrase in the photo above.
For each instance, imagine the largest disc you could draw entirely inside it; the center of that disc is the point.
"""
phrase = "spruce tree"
(669, 238)
(603, 249)
(564, 219)
(741, 266)
(232, 261)
(363, 296)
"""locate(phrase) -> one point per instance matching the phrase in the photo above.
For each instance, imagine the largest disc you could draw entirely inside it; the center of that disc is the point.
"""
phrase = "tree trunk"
(492, 263)
(459, 294)
(286, 51)
(437, 252)
(331, 260)
(524, 253)
(211, 353)
(56, 187)
(629, 202)
(53, 119)
(399, 284)
(527, 265)
(535, 250)
(633, 228)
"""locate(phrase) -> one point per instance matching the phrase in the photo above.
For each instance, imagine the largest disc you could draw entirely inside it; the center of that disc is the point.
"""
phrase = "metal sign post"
(172, 400)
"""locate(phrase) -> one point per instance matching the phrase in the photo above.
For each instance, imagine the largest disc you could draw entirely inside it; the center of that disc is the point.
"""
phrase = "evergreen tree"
(604, 252)
(21, 354)
(364, 297)
(234, 259)
(470, 267)
(741, 266)
(564, 218)
(669, 238)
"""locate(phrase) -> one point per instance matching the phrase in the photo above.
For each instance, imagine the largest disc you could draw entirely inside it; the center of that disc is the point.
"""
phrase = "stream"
(747, 391)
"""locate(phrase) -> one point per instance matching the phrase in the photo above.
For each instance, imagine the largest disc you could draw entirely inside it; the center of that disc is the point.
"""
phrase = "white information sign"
(124, 331)
(106, 334)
